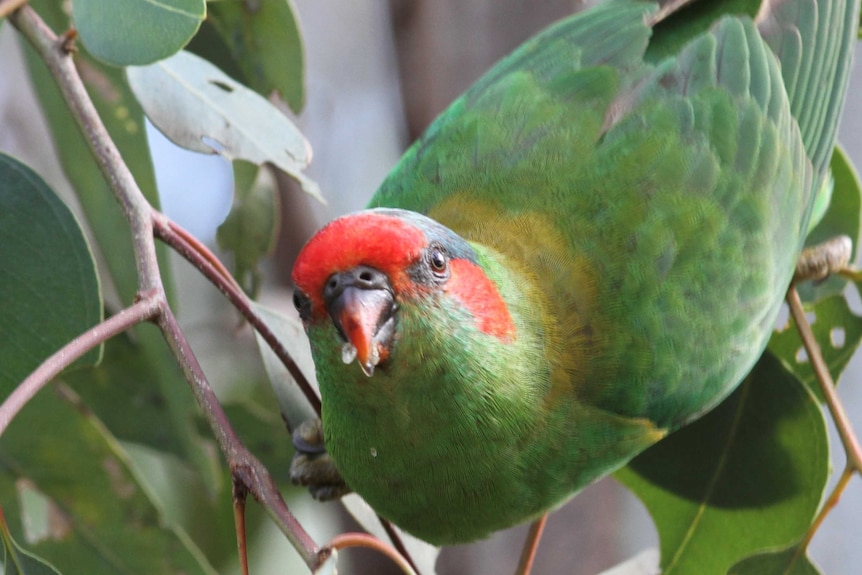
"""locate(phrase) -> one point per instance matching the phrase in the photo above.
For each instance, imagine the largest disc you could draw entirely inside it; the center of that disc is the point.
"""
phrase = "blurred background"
(377, 73)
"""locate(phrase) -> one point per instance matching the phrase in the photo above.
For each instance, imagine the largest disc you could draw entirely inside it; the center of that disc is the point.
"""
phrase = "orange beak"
(365, 318)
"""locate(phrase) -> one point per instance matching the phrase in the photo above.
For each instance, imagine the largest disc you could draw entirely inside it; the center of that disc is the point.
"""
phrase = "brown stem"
(836, 408)
(244, 466)
(347, 540)
(531, 546)
(144, 309)
(200, 257)
(828, 506)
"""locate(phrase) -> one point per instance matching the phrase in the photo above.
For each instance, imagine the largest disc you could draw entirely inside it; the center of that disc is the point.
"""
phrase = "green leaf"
(48, 276)
(198, 107)
(746, 477)
(136, 32)
(842, 217)
(251, 228)
(265, 40)
(69, 487)
(19, 561)
(127, 379)
(838, 332)
(790, 561)
(292, 403)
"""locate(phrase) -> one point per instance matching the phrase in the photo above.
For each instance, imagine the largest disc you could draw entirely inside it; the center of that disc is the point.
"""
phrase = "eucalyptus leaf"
(838, 332)
(19, 561)
(100, 517)
(136, 32)
(790, 561)
(746, 477)
(251, 228)
(202, 109)
(48, 276)
(292, 403)
(265, 40)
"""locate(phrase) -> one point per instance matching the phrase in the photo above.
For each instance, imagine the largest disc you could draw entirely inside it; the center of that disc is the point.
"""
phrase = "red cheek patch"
(477, 293)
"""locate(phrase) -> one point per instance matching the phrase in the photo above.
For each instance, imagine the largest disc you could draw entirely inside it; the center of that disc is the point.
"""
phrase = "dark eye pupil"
(438, 260)
(297, 301)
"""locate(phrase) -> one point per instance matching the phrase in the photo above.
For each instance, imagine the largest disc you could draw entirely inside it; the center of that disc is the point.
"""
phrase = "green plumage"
(641, 219)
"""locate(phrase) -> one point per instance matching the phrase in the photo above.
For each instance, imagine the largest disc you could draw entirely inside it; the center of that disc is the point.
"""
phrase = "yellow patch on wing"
(560, 285)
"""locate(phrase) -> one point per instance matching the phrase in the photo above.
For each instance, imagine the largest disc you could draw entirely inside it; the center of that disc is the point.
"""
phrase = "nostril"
(366, 276)
(333, 283)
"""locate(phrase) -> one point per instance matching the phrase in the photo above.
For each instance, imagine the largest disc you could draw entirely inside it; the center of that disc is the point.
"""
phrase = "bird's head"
(360, 270)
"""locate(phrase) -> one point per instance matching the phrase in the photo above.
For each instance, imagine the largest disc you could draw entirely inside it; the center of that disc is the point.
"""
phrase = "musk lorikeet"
(584, 252)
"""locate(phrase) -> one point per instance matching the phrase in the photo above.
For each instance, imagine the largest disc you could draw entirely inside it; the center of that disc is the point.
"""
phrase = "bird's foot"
(312, 466)
(822, 260)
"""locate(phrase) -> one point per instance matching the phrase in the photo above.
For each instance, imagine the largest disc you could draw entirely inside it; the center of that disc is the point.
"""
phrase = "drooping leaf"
(265, 41)
(199, 107)
(19, 561)
(62, 469)
(292, 403)
(746, 477)
(838, 332)
(251, 228)
(48, 277)
(790, 561)
(136, 32)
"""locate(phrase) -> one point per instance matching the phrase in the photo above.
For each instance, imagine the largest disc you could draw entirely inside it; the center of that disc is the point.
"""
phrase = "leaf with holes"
(199, 107)
(746, 477)
(136, 32)
(265, 40)
(838, 331)
(790, 561)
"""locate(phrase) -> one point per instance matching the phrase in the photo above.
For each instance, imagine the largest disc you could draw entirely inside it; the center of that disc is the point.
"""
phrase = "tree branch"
(144, 309)
(202, 259)
(142, 219)
(839, 416)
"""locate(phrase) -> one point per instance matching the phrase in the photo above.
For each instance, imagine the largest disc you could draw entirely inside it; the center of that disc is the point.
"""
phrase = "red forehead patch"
(381, 241)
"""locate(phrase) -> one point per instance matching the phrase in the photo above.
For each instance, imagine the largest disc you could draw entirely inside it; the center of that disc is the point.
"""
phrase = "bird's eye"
(438, 261)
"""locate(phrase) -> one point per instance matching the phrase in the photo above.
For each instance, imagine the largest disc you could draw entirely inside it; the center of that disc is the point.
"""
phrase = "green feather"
(640, 202)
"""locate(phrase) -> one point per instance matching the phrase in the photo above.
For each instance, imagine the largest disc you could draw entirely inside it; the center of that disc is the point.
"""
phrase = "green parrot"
(584, 252)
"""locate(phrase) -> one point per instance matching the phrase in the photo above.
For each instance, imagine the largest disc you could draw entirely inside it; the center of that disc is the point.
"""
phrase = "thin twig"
(143, 310)
(347, 540)
(9, 6)
(531, 546)
(141, 217)
(201, 258)
(839, 416)
(828, 506)
(244, 466)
